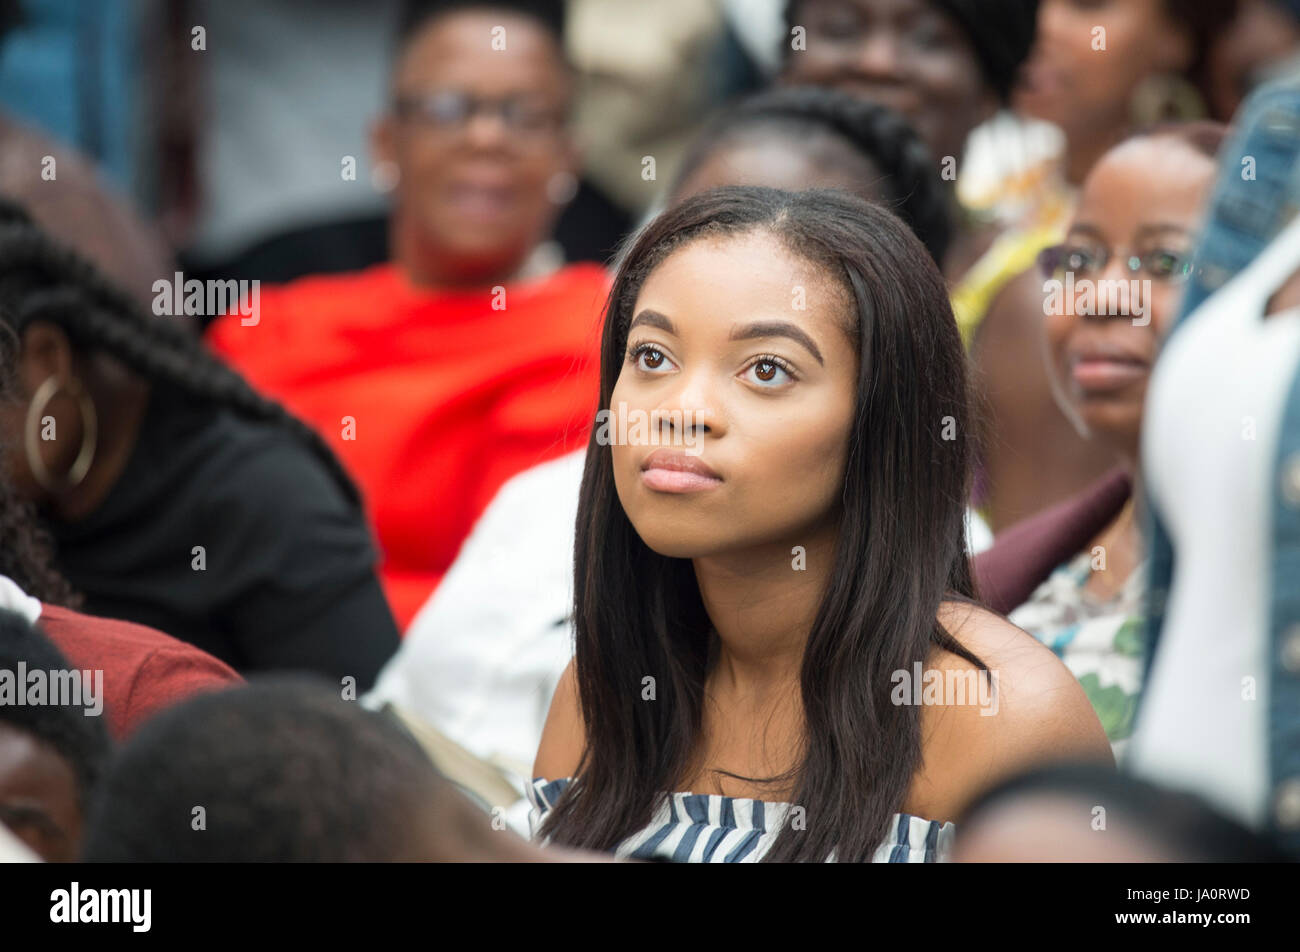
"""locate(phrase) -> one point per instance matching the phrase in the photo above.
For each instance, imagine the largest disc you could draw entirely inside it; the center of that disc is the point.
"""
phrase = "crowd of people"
(897, 460)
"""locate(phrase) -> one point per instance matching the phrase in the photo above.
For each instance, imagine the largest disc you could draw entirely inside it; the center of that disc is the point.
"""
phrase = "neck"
(762, 606)
(431, 268)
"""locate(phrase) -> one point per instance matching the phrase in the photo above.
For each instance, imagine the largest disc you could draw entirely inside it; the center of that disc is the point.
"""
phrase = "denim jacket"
(1257, 194)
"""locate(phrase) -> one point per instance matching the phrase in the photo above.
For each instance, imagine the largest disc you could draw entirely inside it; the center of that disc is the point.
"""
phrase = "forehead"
(712, 283)
(1156, 180)
(458, 48)
(32, 768)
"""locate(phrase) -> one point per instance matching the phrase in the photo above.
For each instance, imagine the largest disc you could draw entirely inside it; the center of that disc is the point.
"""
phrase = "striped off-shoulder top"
(710, 828)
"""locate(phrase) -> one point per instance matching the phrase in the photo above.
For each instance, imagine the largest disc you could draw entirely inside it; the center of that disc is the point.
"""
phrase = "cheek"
(950, 80)
(799, 463)
(812, 67)
(1056, 331)
(1166, 302)
(421, 174)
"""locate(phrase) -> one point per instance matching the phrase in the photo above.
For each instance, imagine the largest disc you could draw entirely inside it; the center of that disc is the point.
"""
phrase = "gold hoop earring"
(89, 435)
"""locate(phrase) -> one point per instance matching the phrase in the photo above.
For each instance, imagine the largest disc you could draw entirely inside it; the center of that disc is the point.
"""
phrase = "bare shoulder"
(563, 736)
(1028, 710)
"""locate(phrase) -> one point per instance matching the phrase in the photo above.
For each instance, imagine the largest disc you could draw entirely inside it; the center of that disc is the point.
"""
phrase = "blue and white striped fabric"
(710, 828)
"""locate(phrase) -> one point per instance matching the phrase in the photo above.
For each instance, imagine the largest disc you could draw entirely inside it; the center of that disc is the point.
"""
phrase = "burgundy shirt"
(144, 670)
(1023, 556)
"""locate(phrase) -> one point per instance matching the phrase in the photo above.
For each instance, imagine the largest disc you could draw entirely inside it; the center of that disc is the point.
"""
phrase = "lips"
(673, 471)
(481, 200)
(1102, 368)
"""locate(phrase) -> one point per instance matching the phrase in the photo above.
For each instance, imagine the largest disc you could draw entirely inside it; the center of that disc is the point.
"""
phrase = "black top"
(285, 578)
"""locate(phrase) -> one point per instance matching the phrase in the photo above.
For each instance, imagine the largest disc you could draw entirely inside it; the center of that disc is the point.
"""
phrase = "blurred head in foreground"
(284, 770)
(1085, 814)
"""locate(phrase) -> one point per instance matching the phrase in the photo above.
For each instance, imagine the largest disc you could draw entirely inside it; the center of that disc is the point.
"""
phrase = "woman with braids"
(176, 496)
(767, 594)
(481, 660)
(144, 670)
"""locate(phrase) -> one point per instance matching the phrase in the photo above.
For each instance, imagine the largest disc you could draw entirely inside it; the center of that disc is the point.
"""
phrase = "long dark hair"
(901, 548)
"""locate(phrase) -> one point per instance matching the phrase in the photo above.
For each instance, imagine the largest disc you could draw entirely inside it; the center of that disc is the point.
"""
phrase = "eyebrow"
(778, 329)
(654, 319)
(748, 332)
(1147, 230)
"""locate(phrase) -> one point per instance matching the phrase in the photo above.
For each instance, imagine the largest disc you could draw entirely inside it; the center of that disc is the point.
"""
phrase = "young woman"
(175, 495)
(755, 583)
(1073, 576)
(482, 658)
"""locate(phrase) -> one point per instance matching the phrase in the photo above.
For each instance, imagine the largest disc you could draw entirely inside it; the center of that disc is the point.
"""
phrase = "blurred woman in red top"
(471, 356)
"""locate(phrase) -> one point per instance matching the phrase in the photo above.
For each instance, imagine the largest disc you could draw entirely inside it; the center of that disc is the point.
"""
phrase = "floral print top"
(1100, 640)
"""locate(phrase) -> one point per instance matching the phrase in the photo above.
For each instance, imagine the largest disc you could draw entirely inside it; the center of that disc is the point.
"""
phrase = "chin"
(1114, 424)
(674, 541)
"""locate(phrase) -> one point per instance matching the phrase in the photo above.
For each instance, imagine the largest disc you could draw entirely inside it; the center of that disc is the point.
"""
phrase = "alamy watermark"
(945, 688)
(631, 427)
(59, 687)
(1106, 298)
(212, 298)
(77, 905)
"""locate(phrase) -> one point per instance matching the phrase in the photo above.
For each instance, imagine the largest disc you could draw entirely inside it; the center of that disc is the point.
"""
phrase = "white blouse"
(1213, 414)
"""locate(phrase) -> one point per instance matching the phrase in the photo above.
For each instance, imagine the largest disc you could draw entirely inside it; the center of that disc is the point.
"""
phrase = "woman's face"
(907, 54)
(474, 193)
(741, 371)
(38, 796)
(1083, 88)
(1143, 200)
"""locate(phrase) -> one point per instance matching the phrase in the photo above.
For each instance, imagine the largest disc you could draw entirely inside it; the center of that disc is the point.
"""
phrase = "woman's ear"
(46, 352)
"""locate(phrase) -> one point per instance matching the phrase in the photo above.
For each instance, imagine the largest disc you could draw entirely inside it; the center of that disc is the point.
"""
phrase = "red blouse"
(431, 399)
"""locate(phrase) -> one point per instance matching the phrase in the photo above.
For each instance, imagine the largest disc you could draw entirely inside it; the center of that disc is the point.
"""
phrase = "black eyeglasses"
(1161, 264)
(450, 110)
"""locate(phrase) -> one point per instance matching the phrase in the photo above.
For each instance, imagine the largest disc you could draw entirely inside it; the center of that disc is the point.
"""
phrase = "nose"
(690, 410)
(879, 58)
(1113, 290)
(487, 129)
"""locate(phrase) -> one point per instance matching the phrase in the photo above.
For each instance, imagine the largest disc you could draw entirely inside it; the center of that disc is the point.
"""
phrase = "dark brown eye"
(765, 370)
(653, 359)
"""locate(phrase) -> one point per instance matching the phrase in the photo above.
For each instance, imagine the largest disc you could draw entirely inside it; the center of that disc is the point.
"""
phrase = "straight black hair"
(901, 548)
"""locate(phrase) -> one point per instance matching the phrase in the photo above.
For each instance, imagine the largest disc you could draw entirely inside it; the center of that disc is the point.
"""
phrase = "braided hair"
(42, 280)
(26, 550)
(884, 141)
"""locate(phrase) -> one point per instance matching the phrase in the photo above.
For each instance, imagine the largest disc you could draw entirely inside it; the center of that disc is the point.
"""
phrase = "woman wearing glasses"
(470, 355)
(1074, 573)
